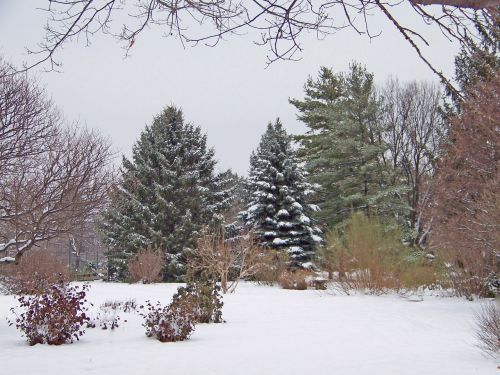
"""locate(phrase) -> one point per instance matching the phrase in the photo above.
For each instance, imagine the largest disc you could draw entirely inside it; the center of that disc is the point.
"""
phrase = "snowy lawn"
(269, 331)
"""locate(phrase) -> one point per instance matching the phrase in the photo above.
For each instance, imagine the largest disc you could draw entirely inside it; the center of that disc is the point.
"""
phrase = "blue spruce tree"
(277, 199)
(166, 193)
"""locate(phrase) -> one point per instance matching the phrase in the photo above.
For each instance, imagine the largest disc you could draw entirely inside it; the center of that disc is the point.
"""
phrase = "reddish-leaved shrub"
(54, 317)
(171, 323)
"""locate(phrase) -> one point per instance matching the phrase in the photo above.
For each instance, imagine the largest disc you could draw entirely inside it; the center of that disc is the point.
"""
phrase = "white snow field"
(269, 331)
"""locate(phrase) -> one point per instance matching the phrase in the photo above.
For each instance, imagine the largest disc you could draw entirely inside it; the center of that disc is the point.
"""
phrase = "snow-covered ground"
(269, 331)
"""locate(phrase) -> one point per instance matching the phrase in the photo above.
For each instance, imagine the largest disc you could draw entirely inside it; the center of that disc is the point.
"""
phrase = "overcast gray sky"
(226, 90)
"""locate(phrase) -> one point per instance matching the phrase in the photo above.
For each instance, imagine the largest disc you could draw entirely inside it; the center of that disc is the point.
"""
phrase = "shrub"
(36, 272)
(204, 298)
(469, 272)
(171, 323)
(372, 255)
(55, 317)
(488, 329)
(422, 272)
(369, 256)
(333, 256)
(294, 279)
(274, 264)
(226, 259)
(146, 266)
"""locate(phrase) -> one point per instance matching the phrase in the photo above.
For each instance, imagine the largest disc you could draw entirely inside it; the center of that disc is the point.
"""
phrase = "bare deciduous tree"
(52, 178)
(415, 131)
(55, 192)
(466, 192)
(280, 23)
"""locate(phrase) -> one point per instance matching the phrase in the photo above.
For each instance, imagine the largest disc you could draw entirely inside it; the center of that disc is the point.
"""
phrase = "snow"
(253, 208)
(316, 238)
(283, 213)
(7, 260)
(269, 331)
(295, 249)
(4, 246)
(285, 225)
(304, 219)
(314, 207)
(280, 242)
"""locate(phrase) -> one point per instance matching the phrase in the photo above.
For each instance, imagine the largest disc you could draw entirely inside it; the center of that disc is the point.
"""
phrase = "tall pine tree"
(167, 192)
(277, 199)
(344, 147)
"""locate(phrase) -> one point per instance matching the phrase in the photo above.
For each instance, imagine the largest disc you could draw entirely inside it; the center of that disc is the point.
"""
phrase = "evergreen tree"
(167, 192)
(344, 147)
(277, 199)
(232, 225)
(481, 60)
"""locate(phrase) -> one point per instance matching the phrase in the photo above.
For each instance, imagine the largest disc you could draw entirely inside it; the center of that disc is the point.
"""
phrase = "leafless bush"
(297, 280)
(488, 328)
(35, 274)
(146, 267)
(228, 260)
(273, 264)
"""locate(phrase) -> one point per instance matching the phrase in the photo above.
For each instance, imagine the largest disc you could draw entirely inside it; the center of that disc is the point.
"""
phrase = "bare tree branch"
(474, 4)
(279, 23)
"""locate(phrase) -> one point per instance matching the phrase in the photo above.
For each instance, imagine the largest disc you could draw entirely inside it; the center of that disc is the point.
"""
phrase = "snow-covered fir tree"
(277, 199)
(166, 193)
